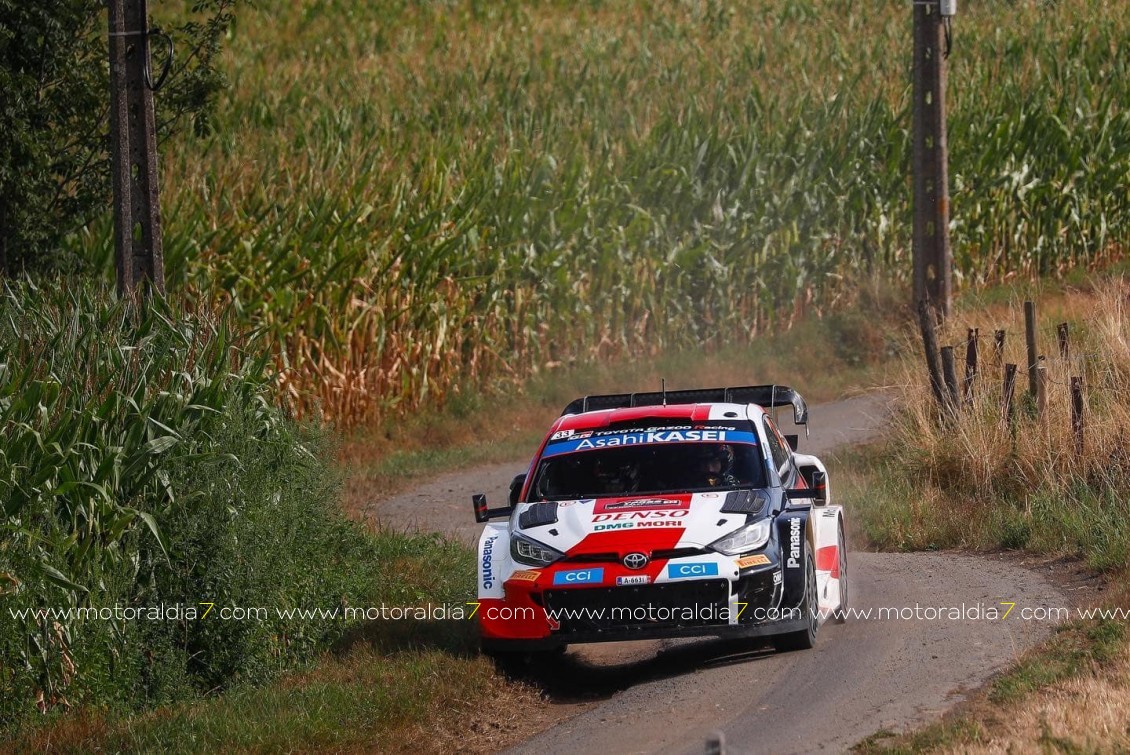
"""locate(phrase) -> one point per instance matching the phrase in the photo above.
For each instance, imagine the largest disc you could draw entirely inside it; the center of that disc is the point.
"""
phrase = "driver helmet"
(614, 475)
(715, 464)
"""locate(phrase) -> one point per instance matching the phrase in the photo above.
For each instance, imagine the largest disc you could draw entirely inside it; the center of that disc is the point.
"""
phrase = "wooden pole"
(933, 260)
(1030, 342)
(926, 324)
(139, 255)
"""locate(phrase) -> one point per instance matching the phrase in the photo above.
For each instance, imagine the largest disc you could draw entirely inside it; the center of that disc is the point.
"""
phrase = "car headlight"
(748, 538)
(531, 552)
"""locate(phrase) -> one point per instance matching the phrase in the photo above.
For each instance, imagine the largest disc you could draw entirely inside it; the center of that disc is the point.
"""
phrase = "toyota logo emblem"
(635, 560)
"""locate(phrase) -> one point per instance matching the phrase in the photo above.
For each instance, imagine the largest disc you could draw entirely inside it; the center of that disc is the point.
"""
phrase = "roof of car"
(767, 396)
(690, 412)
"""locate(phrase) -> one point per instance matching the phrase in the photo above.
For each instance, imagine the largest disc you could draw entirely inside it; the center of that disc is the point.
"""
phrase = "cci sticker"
(695, 569)
(579, 577)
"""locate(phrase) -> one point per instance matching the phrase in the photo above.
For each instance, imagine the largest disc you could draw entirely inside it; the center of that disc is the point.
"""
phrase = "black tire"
(840, 614)
(804, 639)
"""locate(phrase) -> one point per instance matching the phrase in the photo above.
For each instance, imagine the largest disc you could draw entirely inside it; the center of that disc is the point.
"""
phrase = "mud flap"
(795, 536)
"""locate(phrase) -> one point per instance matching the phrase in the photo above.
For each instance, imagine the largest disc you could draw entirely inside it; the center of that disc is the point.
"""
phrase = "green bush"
(144, 465)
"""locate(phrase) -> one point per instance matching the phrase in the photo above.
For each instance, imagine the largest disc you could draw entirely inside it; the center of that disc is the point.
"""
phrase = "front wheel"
(803, 639)
(840, 614)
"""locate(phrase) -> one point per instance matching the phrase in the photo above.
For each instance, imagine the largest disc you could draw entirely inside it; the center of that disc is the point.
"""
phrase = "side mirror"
(484, 514)
(792, 440)
(479, 500)
(516, 488)
(819, 488)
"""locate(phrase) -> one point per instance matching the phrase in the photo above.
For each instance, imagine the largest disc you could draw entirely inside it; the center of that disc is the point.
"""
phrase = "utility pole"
(133, 144)
(933, 259)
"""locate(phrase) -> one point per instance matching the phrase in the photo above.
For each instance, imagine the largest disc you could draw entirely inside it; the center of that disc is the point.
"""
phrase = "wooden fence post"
(970, 363)
(1030, 342)
(1077, 413)
(998, 346)
(1064, 344)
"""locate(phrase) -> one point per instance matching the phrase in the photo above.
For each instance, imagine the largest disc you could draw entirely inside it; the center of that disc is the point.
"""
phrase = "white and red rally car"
(667, 514)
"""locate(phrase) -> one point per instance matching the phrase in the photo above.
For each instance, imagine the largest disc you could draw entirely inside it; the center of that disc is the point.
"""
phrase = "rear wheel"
(803, 639)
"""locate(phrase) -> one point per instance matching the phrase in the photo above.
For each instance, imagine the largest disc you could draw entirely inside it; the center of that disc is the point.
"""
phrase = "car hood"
(655, 522)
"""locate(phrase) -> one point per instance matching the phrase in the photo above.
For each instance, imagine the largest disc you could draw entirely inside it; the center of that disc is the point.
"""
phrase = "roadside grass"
(368, 699)
(1076, 648)
(977, 482)
(390, 684)
(1066, 695)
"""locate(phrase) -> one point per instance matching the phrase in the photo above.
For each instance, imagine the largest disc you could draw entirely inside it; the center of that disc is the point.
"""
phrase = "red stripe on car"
(828, 559)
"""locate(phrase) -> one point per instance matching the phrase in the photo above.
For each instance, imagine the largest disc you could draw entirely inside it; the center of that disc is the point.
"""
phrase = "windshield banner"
(588, 440)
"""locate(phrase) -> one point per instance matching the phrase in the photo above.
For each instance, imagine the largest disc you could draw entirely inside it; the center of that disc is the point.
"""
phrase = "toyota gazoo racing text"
(668, 514)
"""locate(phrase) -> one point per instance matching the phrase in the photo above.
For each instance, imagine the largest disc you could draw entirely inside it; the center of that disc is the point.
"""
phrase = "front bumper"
(746, 605)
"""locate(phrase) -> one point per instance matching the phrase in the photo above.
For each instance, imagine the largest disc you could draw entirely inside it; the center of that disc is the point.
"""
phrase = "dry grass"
(1086, 713)
(979, 451)
(1064, 696)
(977, 480)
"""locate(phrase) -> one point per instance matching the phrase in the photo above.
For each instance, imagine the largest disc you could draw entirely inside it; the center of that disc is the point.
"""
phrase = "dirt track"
(865, 675)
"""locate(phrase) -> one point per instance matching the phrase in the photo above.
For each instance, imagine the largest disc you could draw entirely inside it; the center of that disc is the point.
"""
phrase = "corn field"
(420, 198)
(144, 464)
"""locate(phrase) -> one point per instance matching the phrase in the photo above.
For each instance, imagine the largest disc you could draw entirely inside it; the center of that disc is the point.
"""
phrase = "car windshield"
(648, 468)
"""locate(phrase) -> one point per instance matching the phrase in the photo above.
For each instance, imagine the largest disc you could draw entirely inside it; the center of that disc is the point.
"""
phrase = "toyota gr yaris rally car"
(669, 514)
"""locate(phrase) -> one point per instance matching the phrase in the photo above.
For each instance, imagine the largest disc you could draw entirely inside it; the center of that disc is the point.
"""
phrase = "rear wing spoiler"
(768, 396)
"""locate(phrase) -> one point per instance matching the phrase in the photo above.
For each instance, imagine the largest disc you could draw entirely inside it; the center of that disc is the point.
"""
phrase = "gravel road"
(865, 675)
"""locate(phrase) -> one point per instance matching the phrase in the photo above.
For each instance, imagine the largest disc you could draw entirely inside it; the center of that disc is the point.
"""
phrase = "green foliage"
(54, 130)
(144, 465)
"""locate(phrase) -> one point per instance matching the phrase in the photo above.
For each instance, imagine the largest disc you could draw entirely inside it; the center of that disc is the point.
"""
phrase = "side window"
(779, 451)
